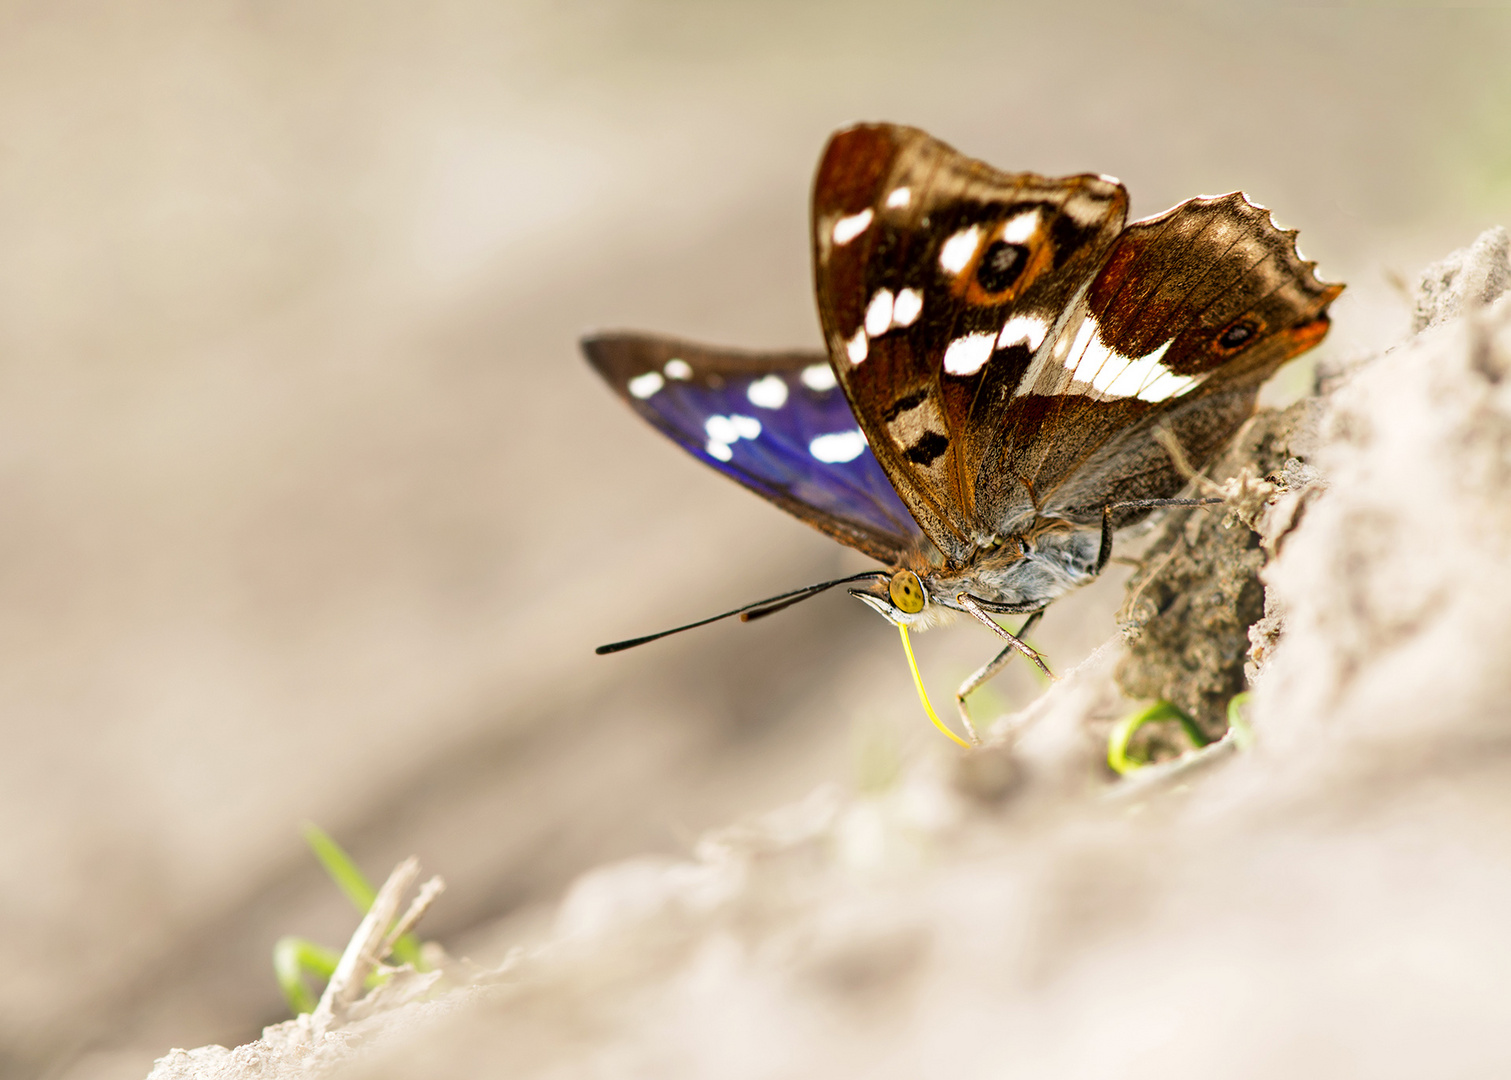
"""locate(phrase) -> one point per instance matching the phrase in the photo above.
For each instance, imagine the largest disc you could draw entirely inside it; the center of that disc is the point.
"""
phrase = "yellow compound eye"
(907, 592)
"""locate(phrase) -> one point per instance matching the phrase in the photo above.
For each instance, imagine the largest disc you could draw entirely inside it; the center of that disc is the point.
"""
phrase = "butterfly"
(1012, 374)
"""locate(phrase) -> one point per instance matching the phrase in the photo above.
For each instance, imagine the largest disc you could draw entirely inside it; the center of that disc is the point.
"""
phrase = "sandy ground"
(312, 512)
(1320, 894)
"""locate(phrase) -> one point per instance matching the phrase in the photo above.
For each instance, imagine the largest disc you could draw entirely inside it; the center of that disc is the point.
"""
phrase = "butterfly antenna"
(760, 608)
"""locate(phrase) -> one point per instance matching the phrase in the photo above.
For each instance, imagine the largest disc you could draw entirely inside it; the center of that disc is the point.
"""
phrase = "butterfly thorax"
(1022, 572)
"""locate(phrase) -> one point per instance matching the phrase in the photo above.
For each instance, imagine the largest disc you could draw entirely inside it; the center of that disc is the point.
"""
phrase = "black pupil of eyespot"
(1236, 336)
(1000, 265)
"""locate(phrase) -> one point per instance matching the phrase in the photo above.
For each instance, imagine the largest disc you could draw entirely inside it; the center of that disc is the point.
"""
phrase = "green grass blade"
(338, 864)
(351, 881)
(293, 957)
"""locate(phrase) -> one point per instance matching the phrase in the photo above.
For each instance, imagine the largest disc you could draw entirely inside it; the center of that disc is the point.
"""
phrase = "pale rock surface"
(1464, 281)
(1330, 903)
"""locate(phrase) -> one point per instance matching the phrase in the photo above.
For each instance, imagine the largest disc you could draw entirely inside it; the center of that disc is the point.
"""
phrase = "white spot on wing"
(899, 197)
(1048, 374)
(768, 393)
(856, 347)
(1140, 378)
(906, 307)
(956, 253)
(1092, 360)
(1166, 385)
(1023, 330)
(848, 228)
(678, 369)
(966, 355)
(1109, 178)
(1021, 228)
(643, 386)
(722, 431)
(839, 447)
(1083, 339)
(1109, 374)
(879, 313)
(819, 377)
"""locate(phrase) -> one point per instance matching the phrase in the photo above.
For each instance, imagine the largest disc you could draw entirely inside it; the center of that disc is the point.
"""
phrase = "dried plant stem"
(367, 947)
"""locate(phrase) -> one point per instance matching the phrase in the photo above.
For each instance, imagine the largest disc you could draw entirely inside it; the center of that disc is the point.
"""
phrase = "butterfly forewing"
(939, 279)
(776, 422)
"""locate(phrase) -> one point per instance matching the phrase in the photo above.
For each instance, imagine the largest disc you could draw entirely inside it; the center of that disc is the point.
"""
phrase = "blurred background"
(310, 510)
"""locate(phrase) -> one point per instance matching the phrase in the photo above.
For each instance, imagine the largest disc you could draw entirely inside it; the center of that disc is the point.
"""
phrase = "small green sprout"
(1117, 742)
(296, 957)
(1122, 732)
(1243, 735)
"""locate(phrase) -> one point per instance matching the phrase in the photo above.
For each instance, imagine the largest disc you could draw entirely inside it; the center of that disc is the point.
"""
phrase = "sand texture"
(1327, 902)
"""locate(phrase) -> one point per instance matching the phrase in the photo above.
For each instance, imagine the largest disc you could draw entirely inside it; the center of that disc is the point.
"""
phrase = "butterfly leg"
(1104, 552)
(989, 671)
(969, 603)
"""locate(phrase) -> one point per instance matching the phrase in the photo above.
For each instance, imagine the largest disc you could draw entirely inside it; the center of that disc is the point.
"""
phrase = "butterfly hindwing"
(939, 279)
(776, 422)
(1191, 312)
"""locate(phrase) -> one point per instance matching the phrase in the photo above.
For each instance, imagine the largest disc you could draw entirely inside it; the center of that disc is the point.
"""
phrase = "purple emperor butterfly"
(1007, 362)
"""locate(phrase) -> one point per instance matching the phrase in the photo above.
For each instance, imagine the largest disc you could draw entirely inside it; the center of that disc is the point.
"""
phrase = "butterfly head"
(901, 599)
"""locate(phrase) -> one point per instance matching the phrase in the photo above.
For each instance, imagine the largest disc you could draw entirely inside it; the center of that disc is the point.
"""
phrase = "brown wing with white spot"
(1192, 311)
(939, 281)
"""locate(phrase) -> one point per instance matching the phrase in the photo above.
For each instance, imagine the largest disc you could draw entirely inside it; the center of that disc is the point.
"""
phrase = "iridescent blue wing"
(776, 422)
